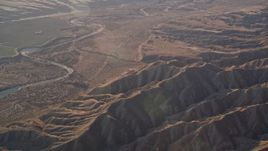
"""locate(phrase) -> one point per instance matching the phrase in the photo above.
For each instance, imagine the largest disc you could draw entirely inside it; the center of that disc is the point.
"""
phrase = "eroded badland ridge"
(143, 76)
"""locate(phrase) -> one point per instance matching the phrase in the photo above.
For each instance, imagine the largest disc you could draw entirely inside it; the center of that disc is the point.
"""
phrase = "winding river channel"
(27, 51)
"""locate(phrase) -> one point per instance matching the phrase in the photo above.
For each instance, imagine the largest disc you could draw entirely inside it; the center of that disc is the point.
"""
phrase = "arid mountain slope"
(212, 108)
(197, 82)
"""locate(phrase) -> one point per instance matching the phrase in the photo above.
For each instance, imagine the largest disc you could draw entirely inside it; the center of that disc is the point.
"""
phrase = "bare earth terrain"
(134, 75)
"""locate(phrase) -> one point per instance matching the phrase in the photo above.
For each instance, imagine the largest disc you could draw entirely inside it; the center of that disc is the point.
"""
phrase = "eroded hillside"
(173, 75)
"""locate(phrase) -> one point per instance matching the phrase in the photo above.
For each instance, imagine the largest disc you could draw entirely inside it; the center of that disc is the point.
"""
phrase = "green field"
(22, 34)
